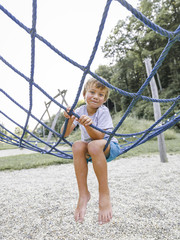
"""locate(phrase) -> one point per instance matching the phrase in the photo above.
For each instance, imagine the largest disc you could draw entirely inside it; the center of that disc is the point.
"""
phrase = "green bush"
(133, 125)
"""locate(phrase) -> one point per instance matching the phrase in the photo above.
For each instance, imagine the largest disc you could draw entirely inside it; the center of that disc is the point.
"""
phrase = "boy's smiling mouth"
(94, 102)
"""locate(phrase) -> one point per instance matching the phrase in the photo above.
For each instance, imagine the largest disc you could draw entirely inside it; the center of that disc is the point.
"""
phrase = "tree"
(2, 130)
(18, 131)
(130, 42)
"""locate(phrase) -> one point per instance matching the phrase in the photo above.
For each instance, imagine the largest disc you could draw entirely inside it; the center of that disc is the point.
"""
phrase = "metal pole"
(157, 111)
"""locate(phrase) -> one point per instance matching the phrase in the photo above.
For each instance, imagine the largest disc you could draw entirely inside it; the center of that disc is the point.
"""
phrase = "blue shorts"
(114, 152)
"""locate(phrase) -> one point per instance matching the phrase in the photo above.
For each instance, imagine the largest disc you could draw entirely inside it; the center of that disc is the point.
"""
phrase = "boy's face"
(95, 97)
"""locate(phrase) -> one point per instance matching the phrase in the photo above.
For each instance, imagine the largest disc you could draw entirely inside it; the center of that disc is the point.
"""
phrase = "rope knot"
(33, 32)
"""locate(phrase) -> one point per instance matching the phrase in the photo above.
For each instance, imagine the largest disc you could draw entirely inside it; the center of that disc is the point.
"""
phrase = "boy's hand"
(85, 120)
(66, 114)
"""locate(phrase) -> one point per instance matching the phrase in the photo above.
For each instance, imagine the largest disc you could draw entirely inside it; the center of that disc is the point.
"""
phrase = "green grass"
(4, 146)
(151, 147)
(132, 125)
(41, 160)
(26, 161)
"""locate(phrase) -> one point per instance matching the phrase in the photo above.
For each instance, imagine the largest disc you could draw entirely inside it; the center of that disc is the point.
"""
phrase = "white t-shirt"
(101, 119)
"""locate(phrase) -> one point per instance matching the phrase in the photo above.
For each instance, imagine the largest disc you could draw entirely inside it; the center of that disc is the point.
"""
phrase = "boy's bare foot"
(105, 209)
(81, 208)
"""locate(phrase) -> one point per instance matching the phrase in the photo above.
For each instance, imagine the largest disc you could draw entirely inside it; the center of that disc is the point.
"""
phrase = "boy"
(91, 148)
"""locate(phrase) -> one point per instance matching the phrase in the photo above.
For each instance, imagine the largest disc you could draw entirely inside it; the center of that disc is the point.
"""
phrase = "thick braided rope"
(43, 124)
(33, 31)
(138, 95)
(125, 93)
(101, 27)
(145, 135)
(80, 66)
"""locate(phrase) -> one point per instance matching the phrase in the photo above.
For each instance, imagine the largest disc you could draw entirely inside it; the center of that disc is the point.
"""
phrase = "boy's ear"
(105, 100)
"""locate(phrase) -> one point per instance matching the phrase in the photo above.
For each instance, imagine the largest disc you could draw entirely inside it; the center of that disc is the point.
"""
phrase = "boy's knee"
(78, 146)
(94, 148)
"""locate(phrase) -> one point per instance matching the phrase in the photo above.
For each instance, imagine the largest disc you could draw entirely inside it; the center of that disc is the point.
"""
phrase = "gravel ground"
(39, 203)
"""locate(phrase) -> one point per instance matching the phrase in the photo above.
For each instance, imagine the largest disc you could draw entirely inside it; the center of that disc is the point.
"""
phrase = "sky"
(71, 26)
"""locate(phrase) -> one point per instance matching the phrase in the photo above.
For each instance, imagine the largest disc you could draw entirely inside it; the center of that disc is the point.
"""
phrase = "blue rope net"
(130, 140)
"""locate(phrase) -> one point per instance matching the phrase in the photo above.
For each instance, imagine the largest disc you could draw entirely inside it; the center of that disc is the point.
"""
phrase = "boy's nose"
(95, 96)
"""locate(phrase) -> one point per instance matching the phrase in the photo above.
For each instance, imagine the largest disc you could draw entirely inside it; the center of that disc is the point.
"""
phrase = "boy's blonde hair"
(93, 81)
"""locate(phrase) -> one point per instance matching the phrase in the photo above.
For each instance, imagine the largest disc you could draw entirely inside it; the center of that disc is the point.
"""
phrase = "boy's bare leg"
(95, 149)
(81, 170)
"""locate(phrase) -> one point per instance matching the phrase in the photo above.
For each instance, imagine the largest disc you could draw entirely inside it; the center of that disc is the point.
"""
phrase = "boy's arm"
(69, 129)
(86, 121)
(70, 125)
(94, 134)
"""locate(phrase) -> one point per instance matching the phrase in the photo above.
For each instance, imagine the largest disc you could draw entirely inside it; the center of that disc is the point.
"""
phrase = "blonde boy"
(91, 148)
